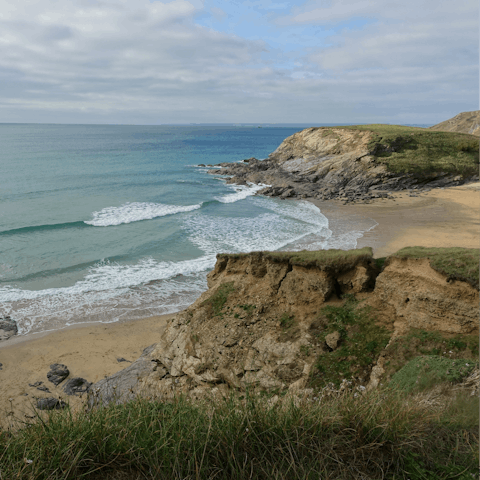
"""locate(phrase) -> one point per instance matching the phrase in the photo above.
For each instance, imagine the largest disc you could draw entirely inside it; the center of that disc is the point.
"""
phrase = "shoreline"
(439, 218)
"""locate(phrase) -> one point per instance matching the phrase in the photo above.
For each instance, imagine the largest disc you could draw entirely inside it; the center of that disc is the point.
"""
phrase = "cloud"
(135, 61)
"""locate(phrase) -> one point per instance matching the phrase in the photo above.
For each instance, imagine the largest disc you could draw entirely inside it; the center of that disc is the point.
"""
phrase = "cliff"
(465, 122)
(280, 321)
(358, 163)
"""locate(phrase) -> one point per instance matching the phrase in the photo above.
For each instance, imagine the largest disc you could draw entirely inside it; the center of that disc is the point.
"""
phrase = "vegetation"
(377, 435)
(361, 341)
(420, 342)
(455, 262)
(336, 259)
(286, 320)
(217, 301)
(424, 372)
(417, 150)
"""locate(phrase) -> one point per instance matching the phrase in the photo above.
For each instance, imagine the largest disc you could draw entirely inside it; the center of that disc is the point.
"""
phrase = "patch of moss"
(219, 298)
(361, 341)
(423, 372)
(455, 262)
(286, 320)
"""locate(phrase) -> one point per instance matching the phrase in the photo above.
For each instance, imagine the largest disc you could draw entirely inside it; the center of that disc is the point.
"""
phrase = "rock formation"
(329, 162)
(465, 122)
(260, 326)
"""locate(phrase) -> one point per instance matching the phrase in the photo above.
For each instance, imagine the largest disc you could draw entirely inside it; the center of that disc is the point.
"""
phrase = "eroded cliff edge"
(268, 322)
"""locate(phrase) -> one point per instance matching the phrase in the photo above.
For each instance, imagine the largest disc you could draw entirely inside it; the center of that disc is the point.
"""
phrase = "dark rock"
(43, 388)
(1, 365)
(120, 387)
(36, 384)
(50, 403)
(201, 165)
(8, 328)
(58, 373)
(121, 359)
(76, 386)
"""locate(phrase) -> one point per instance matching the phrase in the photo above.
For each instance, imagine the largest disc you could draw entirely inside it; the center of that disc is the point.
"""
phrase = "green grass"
(361, 342)
(219, 298)
(337, 259)
(420, 343)
(423, 372)
(378, 435)
(287, 321)
(417, 150)
(456, 263)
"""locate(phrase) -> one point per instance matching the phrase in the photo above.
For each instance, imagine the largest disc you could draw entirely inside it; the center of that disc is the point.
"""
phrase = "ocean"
(100, 223)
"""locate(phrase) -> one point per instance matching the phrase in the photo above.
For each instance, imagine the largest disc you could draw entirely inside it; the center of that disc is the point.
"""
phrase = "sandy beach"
(440, 218)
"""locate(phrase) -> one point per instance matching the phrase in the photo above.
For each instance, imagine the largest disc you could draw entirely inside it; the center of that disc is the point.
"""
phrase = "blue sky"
(182, 61)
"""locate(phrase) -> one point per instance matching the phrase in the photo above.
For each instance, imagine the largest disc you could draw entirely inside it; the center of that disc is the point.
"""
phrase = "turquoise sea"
(102, 223)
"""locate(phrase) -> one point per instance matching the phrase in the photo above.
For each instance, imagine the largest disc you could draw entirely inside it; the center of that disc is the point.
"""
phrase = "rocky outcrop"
(258, 324)
(8, 328)
(328, 162)
(465, 122)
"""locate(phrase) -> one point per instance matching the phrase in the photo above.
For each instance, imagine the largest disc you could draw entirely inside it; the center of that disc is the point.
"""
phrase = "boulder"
(8, 328)
(58, 373)
(76, 386)
(50, 403)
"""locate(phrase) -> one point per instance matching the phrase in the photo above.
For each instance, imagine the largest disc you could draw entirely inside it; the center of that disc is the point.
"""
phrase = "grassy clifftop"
(417, 150)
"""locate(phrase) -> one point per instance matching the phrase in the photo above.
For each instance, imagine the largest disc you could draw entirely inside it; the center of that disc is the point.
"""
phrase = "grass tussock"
(455, 262)
(420, 151)
(377, 435)
(217, 301)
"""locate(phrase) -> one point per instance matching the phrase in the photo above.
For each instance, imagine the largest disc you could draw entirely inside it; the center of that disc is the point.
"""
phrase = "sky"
(261, 61)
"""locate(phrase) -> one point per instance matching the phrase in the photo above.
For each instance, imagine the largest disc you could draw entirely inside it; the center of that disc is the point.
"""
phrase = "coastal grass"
(217, 301)
(333, 258)
(455, 262)
(377, 435)
(340, 259)
(421, 151)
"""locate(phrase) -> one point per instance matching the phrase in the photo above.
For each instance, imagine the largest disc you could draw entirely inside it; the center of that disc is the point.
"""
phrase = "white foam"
(241, 192)
(105, 287)
(136, 211)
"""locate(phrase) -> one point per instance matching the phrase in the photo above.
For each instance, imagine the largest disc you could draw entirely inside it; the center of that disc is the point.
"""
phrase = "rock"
(120, 387)
(332, 340)
(76, 386)
(36, 384)
(8, 328)
(50, 403)
(43, 388)
(58, 373)
(121, 359)
(1, 365)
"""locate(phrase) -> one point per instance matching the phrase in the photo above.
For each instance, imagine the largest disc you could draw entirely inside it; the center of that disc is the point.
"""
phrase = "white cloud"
(132, 61)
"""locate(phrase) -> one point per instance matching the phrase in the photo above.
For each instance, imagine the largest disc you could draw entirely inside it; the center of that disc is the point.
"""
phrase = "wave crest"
(136, 211)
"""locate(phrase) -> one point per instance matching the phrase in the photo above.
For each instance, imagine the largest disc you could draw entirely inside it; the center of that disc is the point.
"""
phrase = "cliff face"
(465, 122)
(260, 325)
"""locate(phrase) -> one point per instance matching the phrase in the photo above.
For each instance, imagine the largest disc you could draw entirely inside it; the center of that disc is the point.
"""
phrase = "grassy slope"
(421, 151)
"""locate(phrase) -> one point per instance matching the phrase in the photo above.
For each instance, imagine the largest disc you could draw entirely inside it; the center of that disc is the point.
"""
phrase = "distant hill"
(465, 122)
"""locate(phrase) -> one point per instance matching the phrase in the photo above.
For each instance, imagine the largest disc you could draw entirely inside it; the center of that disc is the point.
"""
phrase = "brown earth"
(465, 122)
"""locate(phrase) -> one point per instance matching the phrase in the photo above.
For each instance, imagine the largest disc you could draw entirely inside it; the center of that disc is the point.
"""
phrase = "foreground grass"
(455, 262)
(421, 151)
(373, 436)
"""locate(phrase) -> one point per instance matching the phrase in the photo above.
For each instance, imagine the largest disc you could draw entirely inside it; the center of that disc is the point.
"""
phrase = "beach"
(439, 218)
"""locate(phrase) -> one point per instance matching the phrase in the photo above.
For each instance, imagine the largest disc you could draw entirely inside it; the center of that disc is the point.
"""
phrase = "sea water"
(103, 223)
